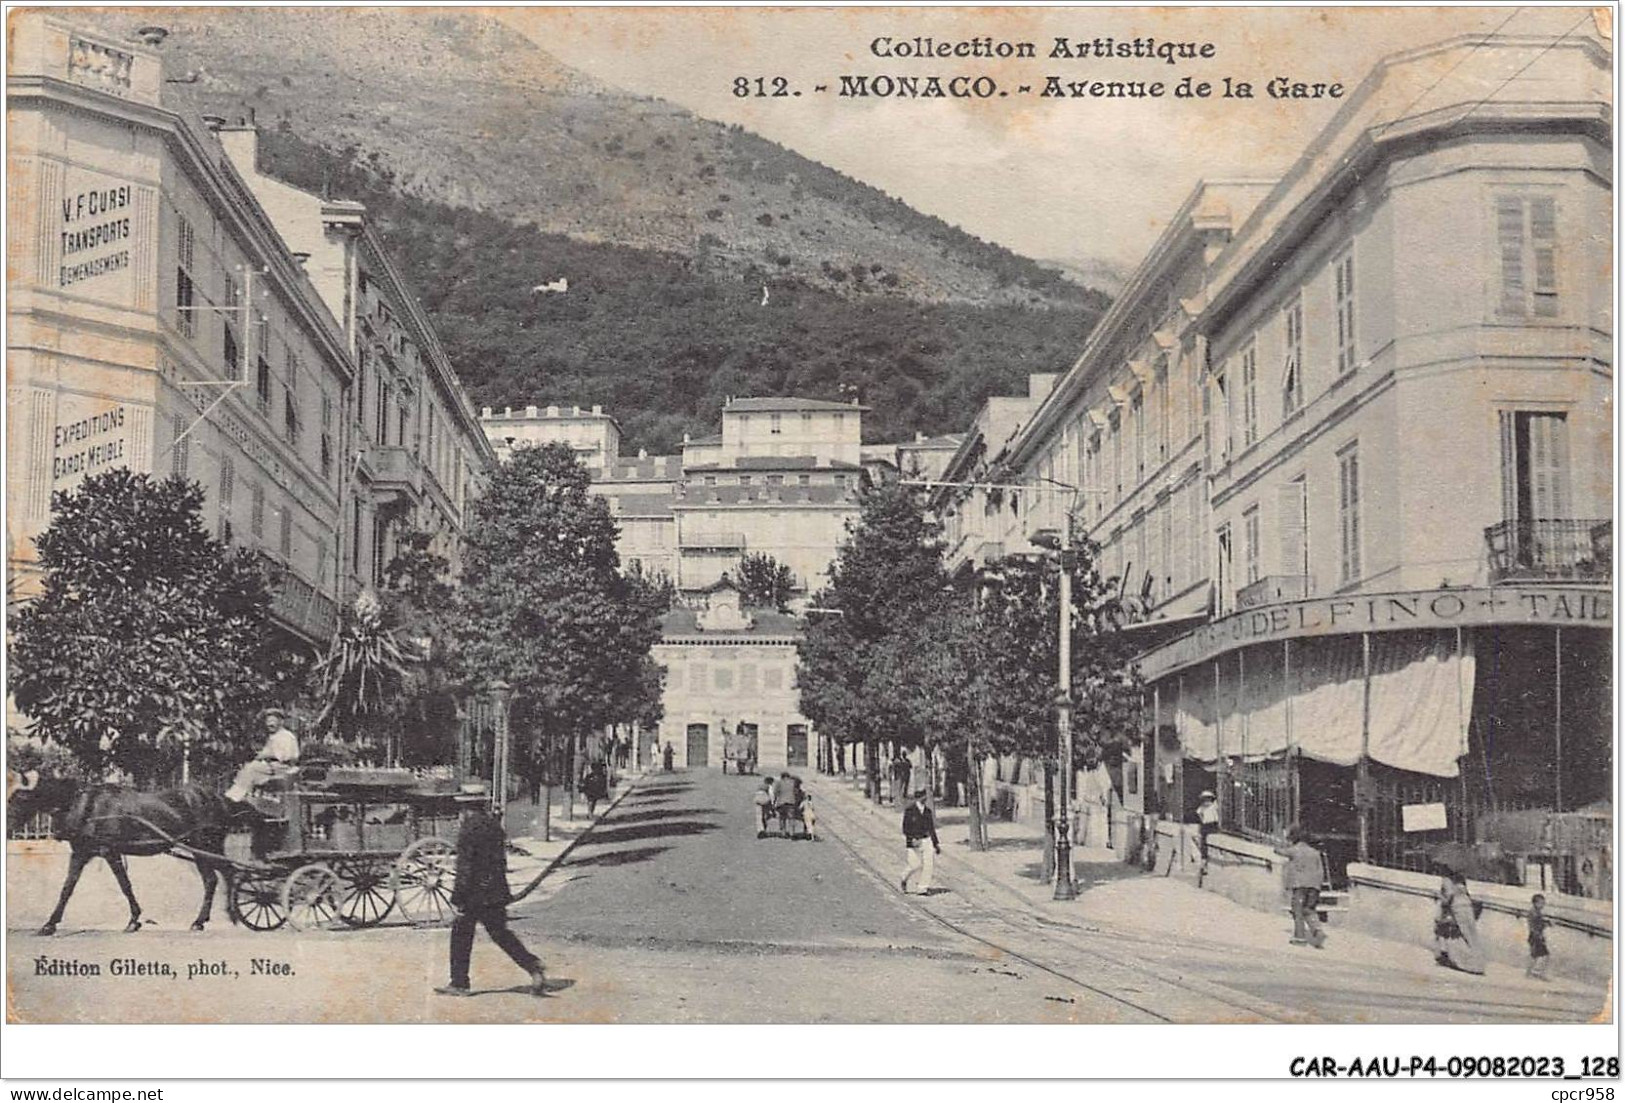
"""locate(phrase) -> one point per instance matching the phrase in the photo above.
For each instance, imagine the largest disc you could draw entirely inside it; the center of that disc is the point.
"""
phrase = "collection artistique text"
(1096, 48)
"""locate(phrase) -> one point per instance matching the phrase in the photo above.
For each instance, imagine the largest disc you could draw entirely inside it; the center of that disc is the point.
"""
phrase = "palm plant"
(361, 677)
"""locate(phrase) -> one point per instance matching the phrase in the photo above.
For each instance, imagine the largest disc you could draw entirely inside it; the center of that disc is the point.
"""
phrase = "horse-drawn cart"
(351, 846)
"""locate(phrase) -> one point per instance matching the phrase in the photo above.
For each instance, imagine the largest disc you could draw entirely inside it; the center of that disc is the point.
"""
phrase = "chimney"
(685, 438)
(507, 411)
(919, 438)
(301, 258)
(485, 411)
(552, 411)
(530, 411)
(152, 36)
(643, 453)
(598, 410)
(214, 123)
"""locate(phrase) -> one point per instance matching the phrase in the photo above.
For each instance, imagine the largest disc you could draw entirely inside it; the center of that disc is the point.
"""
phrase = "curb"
(557, 859)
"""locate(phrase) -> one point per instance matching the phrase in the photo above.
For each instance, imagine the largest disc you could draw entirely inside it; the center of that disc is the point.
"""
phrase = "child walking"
(1539, 955)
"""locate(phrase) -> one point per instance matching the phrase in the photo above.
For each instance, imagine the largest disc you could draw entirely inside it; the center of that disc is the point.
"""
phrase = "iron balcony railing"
(1275, 587)
(1569, 548)
(299, 605)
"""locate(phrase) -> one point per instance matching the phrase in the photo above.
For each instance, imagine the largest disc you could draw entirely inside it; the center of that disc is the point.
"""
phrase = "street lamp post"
(1066, 887)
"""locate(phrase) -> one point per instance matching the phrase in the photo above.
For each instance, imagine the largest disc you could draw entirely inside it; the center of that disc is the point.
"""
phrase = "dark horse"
(114, 823)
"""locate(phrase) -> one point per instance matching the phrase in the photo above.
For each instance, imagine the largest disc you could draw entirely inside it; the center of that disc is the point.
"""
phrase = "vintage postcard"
(812, 515)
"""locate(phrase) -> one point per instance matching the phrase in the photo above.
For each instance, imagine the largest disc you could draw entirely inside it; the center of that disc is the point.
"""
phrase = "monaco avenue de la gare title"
(1092, 48)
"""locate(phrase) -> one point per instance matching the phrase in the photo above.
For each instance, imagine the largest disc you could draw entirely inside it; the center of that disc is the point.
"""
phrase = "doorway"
(795, 749)
(699, 745)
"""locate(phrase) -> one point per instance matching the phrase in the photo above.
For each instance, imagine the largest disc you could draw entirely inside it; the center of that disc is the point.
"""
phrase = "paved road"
(673, 911)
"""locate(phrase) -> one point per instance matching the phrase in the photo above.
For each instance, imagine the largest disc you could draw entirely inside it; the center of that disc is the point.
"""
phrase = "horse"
(113, 822)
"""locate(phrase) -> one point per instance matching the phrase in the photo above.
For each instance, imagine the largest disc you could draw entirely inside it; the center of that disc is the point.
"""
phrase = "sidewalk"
(1166, 921)
(530, 858)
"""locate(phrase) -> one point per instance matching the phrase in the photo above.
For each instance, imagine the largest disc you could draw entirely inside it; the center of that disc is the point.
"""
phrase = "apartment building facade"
(155, 320)
(420, 456)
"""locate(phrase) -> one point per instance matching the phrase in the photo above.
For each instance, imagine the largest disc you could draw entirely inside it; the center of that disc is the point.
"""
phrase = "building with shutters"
(174, 311)
(156, 321)
(1345, 442)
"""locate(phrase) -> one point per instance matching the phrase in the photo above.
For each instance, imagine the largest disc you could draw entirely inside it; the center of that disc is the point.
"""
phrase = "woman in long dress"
(1455, 930)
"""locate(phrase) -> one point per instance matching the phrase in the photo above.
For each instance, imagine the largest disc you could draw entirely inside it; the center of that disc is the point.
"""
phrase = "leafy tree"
(544, 607)
(360, 679)
(149, 633)
(765, 583)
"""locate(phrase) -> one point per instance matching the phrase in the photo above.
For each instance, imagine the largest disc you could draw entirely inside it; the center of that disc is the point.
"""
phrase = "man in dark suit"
(481, 896)
(919, 825)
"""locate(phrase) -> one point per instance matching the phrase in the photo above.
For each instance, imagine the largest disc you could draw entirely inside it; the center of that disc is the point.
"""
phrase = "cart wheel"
(364, 892)
(310, 898)
(255, 901)
(422, 880)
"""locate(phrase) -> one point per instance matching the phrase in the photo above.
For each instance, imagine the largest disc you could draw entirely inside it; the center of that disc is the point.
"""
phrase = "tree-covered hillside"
(662, 340)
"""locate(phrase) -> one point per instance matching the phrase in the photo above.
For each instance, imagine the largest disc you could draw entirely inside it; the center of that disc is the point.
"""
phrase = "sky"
(1061, 179)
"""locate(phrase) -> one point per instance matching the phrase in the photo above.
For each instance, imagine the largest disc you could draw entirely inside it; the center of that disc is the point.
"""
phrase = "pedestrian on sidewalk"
(595, 787)
(785, 798)
(1455, 931)
(1539, 956)
(919, 825)
(1305, 873)
(1207, 819)
(809, 817)
(667, 755)
(901, 768)
(481, 896)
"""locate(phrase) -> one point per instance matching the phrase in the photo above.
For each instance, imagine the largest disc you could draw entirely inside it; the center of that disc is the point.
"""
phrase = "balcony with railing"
(396, 473)
(1569, 549)
(700, 543)
(1273, 588)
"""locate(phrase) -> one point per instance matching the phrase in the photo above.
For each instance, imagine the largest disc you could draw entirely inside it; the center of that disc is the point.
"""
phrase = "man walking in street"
(1304, 876)
(481, 896)
(920, 825)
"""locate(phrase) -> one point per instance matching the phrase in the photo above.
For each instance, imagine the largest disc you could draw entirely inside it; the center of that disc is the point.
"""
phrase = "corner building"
(155, 321)
(1346, 443)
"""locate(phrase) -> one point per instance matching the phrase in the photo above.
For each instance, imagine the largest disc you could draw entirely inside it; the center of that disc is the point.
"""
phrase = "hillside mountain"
(459, 109)
(661, 340)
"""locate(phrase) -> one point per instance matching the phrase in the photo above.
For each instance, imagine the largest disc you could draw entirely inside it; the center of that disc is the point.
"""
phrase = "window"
(1221, 568)
(1219, 416)
(1165, 408)
(710, 480)
(285, 535)
(1139, 439)
(1165, 542)
(355, 536)
(1292, 370)
(840, 421)
(182, 446)
(803, 480)
(1249, 395)
(262, 378)
(327, 435)
(361, 386)
(1194, 530)
(401, 437)
(775, 480)
(1117, 458)
(1348, 513)
(256, 509)
(290, 416)
(744, 480)
(1343, 301)
(1249, 544)
(1534, 467)
(1526, 234)
(381, 424)
(773, 424)
(806, 422)
(228, 488)
(1294, 520)
(185, 289)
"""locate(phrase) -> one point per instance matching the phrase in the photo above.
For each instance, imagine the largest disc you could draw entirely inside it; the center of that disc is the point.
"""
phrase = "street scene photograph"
(1064, 517)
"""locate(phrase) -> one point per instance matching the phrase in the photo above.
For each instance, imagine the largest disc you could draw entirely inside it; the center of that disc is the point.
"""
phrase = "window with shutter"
(1343, 292)
(256, 509)
(1250, 537)
(228, 488)
(1348, 513)
(1293, 519)
(183, 446)
(1249, 395)
(1526, 239)
(1292, 368)
(285, 534)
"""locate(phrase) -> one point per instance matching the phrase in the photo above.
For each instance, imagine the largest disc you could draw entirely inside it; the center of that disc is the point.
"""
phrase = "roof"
(698, 497)
(701, 441)
(641, 469)
(946, 441)
(777, 463)
(643, 505)
(684, 624)
(759, 405)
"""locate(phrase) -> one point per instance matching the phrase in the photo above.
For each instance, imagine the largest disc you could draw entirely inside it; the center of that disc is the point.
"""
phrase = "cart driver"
(276, 759)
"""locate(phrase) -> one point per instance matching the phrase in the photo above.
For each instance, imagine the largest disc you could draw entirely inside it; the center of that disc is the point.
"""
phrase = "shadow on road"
(644, 817)
(663, 789)
(602, 837)
(618, 857)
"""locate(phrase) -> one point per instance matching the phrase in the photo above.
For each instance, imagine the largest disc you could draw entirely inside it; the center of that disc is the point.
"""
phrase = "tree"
(765, 583)
(360, 679)
(856, 664)
(149, 635)
(544, 607)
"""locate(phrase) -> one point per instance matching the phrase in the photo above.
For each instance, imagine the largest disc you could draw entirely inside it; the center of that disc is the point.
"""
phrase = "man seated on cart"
(278, 759)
